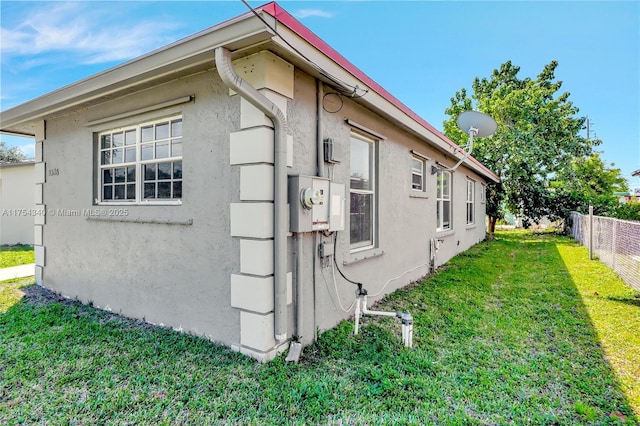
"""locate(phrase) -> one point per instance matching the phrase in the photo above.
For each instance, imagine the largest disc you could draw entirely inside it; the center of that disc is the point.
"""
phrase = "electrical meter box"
(310, 204)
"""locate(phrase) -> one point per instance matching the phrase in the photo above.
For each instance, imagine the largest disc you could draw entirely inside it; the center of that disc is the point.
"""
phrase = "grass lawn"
(14, 255)
(523, 329)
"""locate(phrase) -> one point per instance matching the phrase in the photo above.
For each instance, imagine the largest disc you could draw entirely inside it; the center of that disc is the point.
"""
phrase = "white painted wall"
(17, 203)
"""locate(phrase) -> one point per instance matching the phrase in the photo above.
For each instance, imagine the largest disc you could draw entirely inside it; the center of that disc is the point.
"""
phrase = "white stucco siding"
(173, 267)
(405, 221)
(17, 203)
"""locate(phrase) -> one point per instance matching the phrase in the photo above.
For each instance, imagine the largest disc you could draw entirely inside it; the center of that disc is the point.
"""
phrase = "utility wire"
(335, 262)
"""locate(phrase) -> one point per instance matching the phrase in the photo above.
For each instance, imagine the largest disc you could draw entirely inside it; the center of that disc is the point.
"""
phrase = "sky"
(420, 51)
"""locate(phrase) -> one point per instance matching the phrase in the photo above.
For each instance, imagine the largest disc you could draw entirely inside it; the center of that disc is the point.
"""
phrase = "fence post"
(590, 232)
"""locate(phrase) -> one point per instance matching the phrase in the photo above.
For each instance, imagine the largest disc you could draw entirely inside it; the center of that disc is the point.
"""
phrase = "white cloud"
(28, 150)
(308, 13)
(93, 35)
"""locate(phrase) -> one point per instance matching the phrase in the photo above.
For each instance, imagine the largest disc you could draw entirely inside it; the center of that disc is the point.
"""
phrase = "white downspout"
(280, 126)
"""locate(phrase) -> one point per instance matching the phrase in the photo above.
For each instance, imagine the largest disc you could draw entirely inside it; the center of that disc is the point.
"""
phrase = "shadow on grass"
(633, 301)
(501, 336)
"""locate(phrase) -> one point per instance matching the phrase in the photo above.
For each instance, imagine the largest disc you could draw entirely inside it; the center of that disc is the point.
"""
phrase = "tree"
(587, 182)
(11, 155)
(537, 137)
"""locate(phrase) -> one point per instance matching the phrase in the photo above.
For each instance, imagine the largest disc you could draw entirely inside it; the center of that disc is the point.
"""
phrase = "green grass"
(510, 332)
(14, 255)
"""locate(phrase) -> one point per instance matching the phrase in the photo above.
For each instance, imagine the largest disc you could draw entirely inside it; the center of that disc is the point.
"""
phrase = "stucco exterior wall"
(406, 221)
(17, 203)
(171, 274)
(206, 270)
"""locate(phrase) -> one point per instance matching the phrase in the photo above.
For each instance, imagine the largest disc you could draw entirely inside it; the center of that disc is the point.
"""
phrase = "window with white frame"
(483, 193)
(362, 193)
(471, 188)
(443, 200)
(141, 164)
(417, 173)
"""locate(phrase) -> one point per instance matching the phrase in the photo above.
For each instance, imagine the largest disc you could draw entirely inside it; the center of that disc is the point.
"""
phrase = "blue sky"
(420, 51)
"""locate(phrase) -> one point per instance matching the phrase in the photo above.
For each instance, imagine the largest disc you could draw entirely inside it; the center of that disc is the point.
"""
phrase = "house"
(17, 202)
(205, 186)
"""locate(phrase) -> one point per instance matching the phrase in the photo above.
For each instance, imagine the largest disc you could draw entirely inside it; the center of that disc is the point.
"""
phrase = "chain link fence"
(616, 243)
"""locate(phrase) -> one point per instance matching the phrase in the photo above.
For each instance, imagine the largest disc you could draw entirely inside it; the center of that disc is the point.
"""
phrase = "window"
(483, 193)
(443, 200)
(362, 193)
(417, 173)
(142, 163)
(471, 189)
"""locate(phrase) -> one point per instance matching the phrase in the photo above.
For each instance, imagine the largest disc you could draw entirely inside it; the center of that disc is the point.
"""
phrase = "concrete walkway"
(17, 272)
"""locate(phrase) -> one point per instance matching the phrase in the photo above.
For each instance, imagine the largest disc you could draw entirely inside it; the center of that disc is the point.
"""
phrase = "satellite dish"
(475, 124)
(478, 123)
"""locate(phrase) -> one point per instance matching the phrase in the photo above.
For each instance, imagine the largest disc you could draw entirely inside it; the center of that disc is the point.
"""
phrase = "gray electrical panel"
(312, 205)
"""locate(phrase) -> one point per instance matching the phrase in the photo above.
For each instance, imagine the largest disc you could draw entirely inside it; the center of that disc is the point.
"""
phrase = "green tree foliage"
(627, 211)
(537, 137)
(587, 182)
(10, 155)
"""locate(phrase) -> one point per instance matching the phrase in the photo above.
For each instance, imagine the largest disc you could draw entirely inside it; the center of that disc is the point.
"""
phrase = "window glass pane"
(445, 186)
(149, 172)
(361, 219)
(118, 156)
(176, 148)
(118, 139)
(438, 214)
(146, 134)
(120, 174)
(107, 177)
(177, 189)
(446, 214)
(130, 137)
(162, 131)
(361, 164)
(162, 150)
(416, 165)
(164, 171)
(149, 190)
(416, 181)
(105, 141)
(118, 192)
(147, 152)
(131, 192)
(107, 193)
(176, 128)
(164, 189)
(105, 157)
(130, 155)
(177, 170)
(131, 174)
(439, 185)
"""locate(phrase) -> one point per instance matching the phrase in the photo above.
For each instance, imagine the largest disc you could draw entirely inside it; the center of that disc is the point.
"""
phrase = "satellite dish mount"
(475, 124)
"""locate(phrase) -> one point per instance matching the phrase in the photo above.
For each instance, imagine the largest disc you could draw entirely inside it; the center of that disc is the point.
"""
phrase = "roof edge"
(280, 14)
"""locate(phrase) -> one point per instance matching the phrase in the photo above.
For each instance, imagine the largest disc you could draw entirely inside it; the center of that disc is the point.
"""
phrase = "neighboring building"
(166, 186)
(17, 202)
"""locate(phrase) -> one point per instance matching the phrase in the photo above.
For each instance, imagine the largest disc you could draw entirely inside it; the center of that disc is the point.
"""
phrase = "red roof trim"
(296, 26)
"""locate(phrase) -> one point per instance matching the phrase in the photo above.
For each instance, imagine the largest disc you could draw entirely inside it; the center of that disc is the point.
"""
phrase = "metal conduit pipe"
(319, 139)
(299, 296)
(280, 126)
